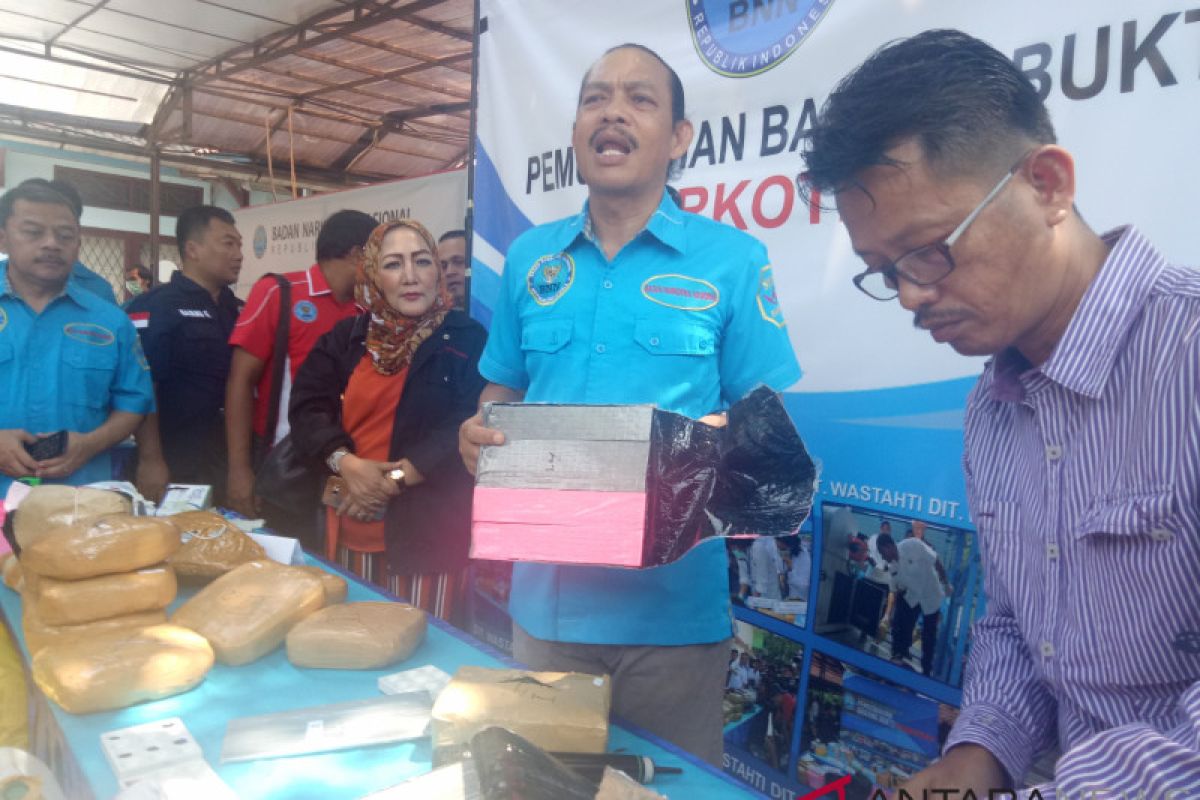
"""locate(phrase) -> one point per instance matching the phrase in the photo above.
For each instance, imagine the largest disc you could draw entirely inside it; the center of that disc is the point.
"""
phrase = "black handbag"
(285, 479)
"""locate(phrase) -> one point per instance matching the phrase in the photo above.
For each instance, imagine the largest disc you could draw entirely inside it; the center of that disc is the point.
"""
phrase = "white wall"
(23, 161)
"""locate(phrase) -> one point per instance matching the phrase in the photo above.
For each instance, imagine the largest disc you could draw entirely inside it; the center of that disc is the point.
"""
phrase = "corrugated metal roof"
(361, 89)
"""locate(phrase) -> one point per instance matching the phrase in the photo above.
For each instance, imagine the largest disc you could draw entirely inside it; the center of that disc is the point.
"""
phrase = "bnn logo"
(741, 38)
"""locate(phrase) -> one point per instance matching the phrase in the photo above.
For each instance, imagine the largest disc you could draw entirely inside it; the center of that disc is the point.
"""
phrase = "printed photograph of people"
(898, 588)
(760, 697)
(861, 725)
(772, 575)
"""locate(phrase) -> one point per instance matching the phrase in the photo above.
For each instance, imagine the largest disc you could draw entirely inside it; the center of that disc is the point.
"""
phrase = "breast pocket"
(998, 526)
(88, 373)
(1138, 557)
(546, 335)
(674, 338)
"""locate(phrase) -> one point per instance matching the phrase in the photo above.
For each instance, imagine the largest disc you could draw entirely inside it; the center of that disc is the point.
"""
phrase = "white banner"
(282, 237)
(1122, 82)
(1133, 129)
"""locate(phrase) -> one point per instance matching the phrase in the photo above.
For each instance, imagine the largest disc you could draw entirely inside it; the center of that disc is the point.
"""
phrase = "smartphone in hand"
(47, 447)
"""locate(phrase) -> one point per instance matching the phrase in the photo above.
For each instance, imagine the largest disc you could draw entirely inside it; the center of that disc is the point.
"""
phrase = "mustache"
(613, 130)
(926, 318)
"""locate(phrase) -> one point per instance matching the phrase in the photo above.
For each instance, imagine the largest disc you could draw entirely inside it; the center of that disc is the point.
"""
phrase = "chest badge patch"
(681, 291)
(550, 278)
(768, 299)
(305, 311)
(89, 333)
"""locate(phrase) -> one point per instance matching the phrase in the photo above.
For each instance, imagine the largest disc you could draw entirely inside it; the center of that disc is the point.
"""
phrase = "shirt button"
(1052, 551)
(608, 284)
(1047, 649)
(1161, 535)
(1053, 452)
(654, 341)
(446, 336)
(600, 348)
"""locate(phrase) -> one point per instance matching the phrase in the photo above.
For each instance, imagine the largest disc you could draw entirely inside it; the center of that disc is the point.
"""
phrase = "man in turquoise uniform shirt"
(68, 360)
(634, 301)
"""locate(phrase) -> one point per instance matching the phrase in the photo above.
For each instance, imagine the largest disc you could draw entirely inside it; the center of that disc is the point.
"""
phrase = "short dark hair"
(35, 190)
(678, 109)
(965, 103)
(141, 272)
(193, 222)
(69, 191)
(342, 232)
(454, 234)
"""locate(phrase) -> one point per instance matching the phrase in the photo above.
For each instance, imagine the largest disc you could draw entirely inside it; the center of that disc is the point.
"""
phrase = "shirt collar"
(78, 295)
(183, 283)
(1083, 359)
(666, 224)
(316, 281)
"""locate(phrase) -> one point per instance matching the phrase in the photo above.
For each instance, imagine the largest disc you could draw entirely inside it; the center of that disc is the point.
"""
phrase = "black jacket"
(428, 527)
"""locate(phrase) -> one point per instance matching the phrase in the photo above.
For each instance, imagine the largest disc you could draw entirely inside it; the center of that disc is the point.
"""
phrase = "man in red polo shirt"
(320, 297)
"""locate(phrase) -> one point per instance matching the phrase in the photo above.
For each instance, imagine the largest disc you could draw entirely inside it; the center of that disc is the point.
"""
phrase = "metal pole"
(155, 208)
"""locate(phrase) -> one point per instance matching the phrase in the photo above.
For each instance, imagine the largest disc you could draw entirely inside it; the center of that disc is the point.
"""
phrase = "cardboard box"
(568, 486)
(560, 711)
(635, 486)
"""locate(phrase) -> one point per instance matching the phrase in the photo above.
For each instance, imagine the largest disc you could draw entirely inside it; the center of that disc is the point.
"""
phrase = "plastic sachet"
(247, 613)
(366, 635)
(121, 668)
(90, 599)
(212, 545)
(51, 506)
(111, 544)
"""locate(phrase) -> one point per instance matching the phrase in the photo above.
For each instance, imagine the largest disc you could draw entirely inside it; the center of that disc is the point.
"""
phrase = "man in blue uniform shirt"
(185, 326)
(68, 360)
(634, 301)
(80, 274)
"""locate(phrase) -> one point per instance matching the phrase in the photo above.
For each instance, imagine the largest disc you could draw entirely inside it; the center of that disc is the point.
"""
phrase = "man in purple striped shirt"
(1082, 437)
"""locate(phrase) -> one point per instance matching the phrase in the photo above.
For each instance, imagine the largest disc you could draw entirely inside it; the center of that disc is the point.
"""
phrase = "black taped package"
(510, 768)
(635, 486)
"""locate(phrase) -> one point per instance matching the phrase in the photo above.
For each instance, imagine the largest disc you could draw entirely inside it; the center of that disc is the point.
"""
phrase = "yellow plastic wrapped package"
(76, 602)
(247, 612)
(367, 635)
(117, 669)
(39, 635)
(14, 705)
(212, 545)
(12, 573)
(52, 506)
(335, 585)
(115, 543)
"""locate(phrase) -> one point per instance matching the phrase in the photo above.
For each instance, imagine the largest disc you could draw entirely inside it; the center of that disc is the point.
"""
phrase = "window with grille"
(123, 193)
(105, 255)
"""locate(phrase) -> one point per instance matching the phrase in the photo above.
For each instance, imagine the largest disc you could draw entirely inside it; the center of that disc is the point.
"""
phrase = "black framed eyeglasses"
(929, 264)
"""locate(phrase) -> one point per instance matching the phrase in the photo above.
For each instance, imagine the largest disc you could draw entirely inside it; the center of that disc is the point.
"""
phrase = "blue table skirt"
(274, 684)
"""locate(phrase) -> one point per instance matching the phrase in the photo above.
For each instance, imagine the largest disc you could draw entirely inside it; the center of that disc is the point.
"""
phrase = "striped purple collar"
(1084, 357)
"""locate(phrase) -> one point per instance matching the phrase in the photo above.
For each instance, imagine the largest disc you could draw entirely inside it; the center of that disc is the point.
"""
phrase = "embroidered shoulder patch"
(768, 300)
(681, 291)
(550, 278)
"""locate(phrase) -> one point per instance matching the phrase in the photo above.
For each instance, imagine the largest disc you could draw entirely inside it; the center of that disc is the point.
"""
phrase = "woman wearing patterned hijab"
(378, 402)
